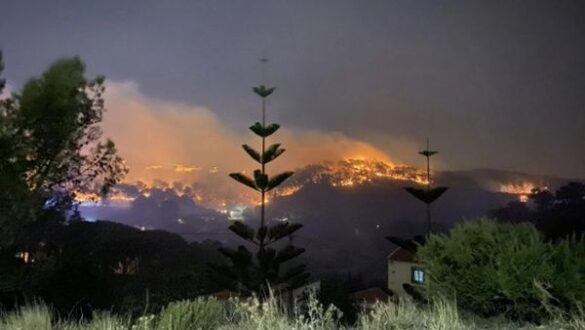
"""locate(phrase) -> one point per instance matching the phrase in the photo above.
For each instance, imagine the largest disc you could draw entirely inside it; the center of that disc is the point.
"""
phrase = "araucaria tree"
(430, 194)
(250, 273)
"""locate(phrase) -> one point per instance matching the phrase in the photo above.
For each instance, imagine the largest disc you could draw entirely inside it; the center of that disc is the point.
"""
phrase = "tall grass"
(405, 315)
(251, 314)
(35, 316)
(202, 313)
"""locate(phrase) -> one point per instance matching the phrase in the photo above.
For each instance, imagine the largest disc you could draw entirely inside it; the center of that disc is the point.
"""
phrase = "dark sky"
(496, 84)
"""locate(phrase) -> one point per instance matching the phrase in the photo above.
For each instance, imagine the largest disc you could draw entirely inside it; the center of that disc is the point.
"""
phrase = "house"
(403, 269)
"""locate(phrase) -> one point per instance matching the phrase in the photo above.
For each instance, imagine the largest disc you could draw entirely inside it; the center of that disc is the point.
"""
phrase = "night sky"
(495, 84)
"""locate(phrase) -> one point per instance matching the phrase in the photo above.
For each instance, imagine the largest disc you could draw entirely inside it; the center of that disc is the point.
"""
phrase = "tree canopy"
(51, 146)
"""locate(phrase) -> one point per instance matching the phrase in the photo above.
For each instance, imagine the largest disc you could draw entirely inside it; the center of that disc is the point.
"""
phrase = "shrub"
(198, 314)
(494, 268)
(568, 284)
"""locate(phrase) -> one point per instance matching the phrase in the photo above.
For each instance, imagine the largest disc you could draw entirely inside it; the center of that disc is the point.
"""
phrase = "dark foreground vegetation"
(252, 315)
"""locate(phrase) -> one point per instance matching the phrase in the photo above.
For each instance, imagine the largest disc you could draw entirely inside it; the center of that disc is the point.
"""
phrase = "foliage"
(250, 273)
(51, 150)
(16, 201)
(83, 266)
(442, 314)
(51, 147)
(250, 314)
(101, 321)
(205, 314)
(406, 315)
(35, 316)
(493, 268)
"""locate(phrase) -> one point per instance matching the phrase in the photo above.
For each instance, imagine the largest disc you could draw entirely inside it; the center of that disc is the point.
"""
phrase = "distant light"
(181, 221)
(377, 226)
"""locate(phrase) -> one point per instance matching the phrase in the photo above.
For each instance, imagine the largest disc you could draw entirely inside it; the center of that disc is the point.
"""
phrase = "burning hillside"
(343, 173)
(355, 172)
(522, 190)
(213, 189)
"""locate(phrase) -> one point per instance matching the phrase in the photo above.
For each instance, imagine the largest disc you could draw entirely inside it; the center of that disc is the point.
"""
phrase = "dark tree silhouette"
(51, 146)
(245, 274)
(557, 215)
(86, 265)
(515, 211)
(428, 195)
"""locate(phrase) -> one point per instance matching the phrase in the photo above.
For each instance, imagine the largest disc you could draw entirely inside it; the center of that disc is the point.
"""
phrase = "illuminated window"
(418, 275)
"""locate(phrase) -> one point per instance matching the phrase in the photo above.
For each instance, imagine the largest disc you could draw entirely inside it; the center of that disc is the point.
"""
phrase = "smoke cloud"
(174, 141)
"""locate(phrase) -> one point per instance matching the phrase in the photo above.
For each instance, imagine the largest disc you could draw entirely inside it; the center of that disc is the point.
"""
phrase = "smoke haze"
(175, 141)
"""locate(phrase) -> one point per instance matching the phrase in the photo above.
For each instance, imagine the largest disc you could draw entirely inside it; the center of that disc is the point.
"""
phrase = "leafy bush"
(568, 284)
(493, 268)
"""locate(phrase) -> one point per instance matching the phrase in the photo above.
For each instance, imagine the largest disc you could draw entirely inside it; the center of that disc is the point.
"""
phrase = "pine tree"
(247, 274)
(430, 194)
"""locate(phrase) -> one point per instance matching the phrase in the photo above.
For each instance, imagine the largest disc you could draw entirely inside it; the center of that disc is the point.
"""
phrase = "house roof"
(370, 295)
(401, 254)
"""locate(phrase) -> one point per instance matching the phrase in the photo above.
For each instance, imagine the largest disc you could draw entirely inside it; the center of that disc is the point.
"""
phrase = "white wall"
(400, 272)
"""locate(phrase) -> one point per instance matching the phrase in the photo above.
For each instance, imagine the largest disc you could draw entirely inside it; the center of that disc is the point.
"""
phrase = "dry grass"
(251, 314)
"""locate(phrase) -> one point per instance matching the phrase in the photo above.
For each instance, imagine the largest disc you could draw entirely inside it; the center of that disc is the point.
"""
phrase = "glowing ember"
(186, 169)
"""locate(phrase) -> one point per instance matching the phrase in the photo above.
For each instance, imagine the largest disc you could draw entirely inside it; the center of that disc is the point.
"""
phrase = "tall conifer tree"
(430, 194)
(253, 274)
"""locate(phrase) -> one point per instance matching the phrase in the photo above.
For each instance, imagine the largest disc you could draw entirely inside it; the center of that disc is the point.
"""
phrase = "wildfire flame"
(522, 190)
(353, 172)
(347, 173)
